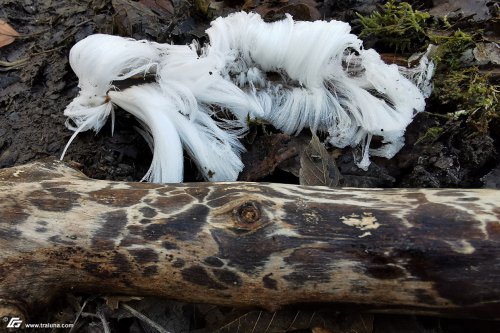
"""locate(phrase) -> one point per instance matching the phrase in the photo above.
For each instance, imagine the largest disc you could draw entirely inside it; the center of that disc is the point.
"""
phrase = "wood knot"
(248, 212)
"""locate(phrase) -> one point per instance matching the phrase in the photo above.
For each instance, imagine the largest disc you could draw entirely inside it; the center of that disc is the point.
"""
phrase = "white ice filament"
(292, 74)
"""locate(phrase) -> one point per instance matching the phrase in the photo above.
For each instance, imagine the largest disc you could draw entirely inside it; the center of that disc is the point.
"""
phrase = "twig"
(104, 322)
(27, 36)
(144, 318)
(79, 314)
(437, 115)
(89, 314)
(272, 318)
(293, 321)
(310, 320)
(363, 321)
(75, 30)
(257, 321)
(99, 316)
(11, 64)
(232, 322)
(47, 51)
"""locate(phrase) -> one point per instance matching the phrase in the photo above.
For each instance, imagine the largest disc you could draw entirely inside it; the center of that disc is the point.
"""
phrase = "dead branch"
(247, 244)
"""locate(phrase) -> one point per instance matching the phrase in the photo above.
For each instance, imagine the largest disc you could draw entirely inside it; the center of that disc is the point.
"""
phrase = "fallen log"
(432, 251)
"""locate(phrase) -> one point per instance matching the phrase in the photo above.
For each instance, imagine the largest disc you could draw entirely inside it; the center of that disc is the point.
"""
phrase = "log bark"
(433, 251)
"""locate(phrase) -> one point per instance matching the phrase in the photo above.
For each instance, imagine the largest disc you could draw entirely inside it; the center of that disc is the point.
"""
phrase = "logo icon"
(14, 322)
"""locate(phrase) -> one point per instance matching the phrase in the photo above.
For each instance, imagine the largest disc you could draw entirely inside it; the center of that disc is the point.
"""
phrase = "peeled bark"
(247, 244)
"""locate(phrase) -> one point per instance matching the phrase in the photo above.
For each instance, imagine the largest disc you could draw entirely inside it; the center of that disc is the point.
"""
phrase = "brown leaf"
(159, 5)
(265, 154)
(7, 33)
(452, 8)
(270, 10)
(392, 58)
(317, 166)
(134, 17)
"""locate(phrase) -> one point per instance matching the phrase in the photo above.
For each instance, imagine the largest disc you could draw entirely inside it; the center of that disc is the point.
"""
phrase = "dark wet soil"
(39, 83)
(36, 84)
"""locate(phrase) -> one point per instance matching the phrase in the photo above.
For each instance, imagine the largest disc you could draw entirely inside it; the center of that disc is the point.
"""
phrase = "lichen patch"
(366, 221)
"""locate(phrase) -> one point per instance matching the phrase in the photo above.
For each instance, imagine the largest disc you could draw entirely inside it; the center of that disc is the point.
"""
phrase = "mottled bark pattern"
(248, 244)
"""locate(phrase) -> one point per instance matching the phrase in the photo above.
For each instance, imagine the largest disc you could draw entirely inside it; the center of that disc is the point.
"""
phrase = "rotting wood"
(433, 251)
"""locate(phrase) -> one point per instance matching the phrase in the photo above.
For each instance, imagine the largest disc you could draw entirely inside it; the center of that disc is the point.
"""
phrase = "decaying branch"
(247, 244)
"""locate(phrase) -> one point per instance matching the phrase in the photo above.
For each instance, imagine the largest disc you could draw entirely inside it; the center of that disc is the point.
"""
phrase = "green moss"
(398, 25)
(202, 6)
(206, 8)
(258, 123)
(469, 91)
(430, 136)
(459, 91)
(451, 47)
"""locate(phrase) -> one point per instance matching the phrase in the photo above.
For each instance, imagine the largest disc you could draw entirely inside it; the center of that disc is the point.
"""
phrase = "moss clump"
(398, 26)
(401, 27)
(459, 89)
(451, 47)
(471, 93)
(430, 136)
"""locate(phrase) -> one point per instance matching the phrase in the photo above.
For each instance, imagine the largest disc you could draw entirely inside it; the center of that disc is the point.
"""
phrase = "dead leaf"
(267, 152)
(270, 10)
(393, 58)
(450, 8)
(159, 5)
(7, 33)
(138, 18)
(317, 165)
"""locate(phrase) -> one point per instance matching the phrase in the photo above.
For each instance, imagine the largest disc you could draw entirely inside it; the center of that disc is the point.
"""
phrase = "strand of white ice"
(292, 74)
(98, 61)
(215, 151)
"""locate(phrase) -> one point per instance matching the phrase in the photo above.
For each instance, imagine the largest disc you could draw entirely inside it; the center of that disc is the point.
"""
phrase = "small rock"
(492, 179)
(30, 9)
(53, 147)
(478, 8)
(7, 80)
(8, 158)
(444, 162)
(14, 117)
(108, 158)
(468, 57)
(485, 53)
(124, 169)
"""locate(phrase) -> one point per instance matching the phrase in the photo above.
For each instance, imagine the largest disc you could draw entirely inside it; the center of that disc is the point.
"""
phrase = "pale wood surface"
(248, 244)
